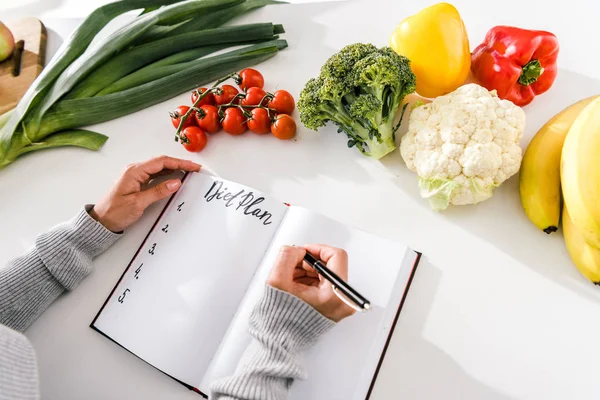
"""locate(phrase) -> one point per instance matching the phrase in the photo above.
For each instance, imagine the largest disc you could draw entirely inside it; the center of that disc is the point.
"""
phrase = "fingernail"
(173, 185)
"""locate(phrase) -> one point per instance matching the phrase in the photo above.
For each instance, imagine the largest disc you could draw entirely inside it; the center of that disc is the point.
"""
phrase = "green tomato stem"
(202, 95)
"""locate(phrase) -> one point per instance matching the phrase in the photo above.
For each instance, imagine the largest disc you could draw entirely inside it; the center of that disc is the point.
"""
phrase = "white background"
(500, 314)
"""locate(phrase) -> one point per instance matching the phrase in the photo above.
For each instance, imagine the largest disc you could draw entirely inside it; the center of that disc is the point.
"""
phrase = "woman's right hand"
(291, 274)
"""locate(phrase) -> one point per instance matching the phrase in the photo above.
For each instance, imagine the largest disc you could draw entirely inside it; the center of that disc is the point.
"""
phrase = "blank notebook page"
(343, 362)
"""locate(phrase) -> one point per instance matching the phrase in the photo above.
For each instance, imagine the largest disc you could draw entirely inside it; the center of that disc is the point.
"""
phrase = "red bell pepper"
(518, 63)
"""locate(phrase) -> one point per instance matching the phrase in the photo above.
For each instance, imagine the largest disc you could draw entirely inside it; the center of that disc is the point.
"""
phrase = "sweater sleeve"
(60, 259)
(18, 367)
(282, 327)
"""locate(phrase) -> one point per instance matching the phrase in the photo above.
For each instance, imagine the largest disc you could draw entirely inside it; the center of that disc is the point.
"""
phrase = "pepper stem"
(531, 72)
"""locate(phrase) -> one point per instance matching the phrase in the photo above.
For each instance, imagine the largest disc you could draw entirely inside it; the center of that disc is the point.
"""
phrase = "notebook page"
(343, 363)
(179, 294)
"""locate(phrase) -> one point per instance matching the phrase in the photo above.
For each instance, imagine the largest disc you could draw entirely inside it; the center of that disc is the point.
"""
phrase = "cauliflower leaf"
(437, 192)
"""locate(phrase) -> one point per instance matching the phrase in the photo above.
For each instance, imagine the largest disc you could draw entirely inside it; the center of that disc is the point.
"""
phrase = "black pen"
(338, 283)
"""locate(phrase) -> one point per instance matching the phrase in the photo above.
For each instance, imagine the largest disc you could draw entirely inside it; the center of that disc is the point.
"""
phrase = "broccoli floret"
(360, 90)
(341, 64)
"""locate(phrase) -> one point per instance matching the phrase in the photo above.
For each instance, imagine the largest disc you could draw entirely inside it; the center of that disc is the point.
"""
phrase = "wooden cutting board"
(33, 34)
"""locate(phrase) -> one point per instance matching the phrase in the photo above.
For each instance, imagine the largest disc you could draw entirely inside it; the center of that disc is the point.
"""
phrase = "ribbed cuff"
(68, 249)
(287, 320)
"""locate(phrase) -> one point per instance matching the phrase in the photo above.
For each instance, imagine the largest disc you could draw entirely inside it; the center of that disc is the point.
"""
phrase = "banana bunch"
(566, 151)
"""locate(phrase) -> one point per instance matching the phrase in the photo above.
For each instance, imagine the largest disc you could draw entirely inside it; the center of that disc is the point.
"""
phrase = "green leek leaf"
(136, 57)
(162, 69)
(201, 21)
(72, 137)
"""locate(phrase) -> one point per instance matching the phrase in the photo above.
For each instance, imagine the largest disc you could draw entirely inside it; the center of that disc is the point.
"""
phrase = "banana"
(539, 179)
(580, 173)
(585, 257)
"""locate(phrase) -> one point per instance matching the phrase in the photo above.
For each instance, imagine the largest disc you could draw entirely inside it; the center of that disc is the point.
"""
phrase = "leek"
(218, 18)
(5, 117)
(155, 72)
(136, 57)
(72, 48)
(185, 56)
(200, 22)
(72, 137)
(101, 51)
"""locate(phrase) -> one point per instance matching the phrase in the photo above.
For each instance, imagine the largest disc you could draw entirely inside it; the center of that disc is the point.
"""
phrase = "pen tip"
(367, 306)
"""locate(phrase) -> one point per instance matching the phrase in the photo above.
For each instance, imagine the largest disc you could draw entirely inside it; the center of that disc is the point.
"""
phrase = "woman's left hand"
(127, 200)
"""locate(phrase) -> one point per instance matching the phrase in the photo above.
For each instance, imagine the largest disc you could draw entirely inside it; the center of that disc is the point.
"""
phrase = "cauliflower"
(463, 145)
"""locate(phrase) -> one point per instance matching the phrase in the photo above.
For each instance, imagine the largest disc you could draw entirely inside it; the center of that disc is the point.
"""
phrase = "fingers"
(155, 165)
(301, 272)
(282, 273)
(164, 172)
(142, 172)
(156, 193)
(291, 274)
(137, 175)
(336, 259)
(307, 281)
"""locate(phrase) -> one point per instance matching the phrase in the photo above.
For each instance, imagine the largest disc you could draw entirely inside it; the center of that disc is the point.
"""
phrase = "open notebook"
(183, 303)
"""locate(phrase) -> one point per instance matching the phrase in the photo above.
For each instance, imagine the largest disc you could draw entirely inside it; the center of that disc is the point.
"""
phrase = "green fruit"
(7, 42)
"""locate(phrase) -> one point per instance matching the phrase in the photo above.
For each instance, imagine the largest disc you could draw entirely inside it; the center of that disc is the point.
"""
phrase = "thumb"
(158, 192)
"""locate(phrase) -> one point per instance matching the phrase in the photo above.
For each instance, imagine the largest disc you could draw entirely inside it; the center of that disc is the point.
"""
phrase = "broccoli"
(360, 90)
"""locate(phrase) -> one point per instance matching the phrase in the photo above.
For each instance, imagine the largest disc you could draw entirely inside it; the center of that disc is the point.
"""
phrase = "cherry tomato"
(282, 102)
(208, 118)
(225, 94)
(194, 139)
(234, 121)
(260, 122)
(250, 78)
(178, 113)
(208, 99)
(284, 127)
(253, 96)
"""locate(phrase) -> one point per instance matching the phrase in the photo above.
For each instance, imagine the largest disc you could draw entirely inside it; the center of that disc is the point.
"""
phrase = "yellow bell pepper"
(435, 41)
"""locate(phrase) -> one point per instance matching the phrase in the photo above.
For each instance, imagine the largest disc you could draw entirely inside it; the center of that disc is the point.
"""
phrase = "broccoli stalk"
(360, 89)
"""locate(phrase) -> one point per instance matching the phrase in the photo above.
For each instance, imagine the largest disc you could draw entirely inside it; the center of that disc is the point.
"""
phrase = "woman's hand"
(291, 274)
(127, 200)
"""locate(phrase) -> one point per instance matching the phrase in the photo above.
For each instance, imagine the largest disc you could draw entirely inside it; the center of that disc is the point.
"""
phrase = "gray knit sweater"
(281, 324)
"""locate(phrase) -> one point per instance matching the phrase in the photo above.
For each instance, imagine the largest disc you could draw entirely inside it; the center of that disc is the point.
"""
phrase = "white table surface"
(501, 313)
